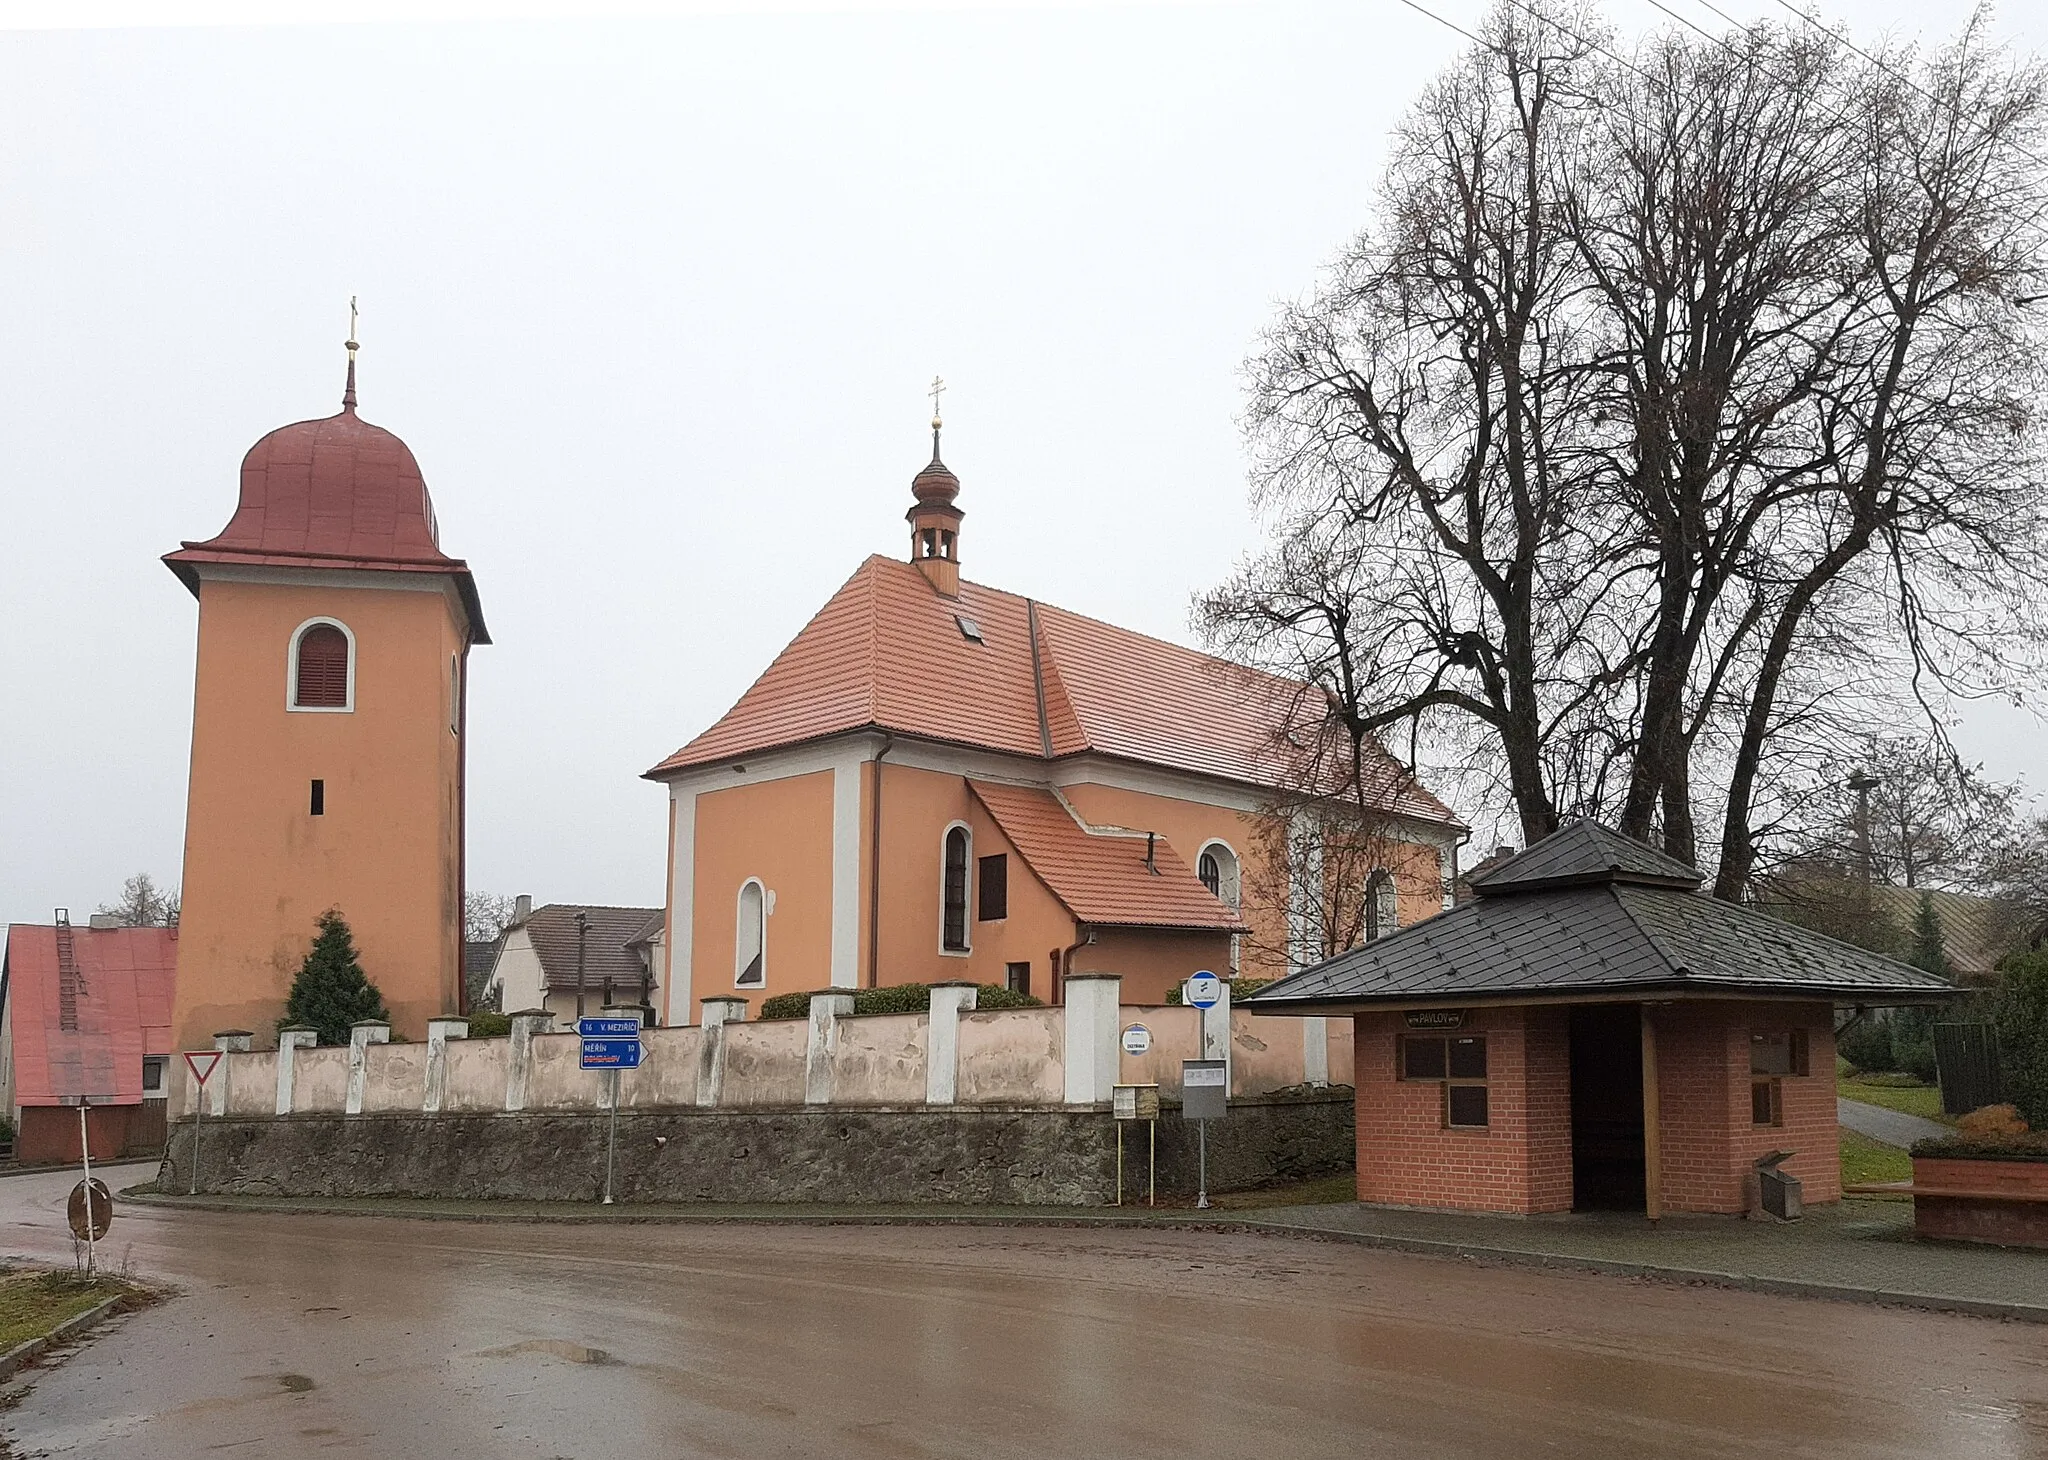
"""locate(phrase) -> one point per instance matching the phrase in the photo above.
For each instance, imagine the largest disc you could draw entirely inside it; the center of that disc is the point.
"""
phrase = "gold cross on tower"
(351, 324)
(938, 389)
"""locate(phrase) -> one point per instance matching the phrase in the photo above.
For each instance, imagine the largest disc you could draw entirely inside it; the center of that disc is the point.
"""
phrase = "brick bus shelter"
(1592, 1031)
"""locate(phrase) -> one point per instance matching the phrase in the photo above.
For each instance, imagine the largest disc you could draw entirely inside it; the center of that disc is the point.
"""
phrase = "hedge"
(2030, 1147)
(896, 998)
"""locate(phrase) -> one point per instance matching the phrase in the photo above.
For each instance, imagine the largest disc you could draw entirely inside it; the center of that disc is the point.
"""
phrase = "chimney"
(522, 908)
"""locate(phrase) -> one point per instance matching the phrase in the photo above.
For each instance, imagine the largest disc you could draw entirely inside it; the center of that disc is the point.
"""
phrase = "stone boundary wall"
(1015, 1156)
(955, 1055)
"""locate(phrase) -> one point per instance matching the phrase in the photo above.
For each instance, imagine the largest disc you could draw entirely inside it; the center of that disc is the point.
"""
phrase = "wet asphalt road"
(305, 1336)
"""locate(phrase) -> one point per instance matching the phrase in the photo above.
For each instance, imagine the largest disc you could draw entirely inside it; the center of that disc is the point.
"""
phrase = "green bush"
(2021, 1014)
(1240, 989)
(1913, 1042)
(489, 1024)
(2032, 1146)
(1867, 1045)
(896, 998)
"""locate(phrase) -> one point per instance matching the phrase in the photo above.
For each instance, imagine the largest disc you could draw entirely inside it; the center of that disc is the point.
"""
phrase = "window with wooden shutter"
(322, 680)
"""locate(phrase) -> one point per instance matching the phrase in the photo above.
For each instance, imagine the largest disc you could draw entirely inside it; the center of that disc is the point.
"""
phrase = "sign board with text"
(1204, 1089)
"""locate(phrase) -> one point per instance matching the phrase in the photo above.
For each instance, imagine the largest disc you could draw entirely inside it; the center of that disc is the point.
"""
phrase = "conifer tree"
(1913, 1029)
(331, 991)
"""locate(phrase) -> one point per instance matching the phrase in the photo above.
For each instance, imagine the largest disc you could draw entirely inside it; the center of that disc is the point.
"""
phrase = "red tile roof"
(886, 651)
(124, 1011)
(1102, 877)
(333, 493)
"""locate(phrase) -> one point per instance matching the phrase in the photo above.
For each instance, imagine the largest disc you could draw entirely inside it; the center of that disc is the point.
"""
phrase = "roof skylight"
(968, 627)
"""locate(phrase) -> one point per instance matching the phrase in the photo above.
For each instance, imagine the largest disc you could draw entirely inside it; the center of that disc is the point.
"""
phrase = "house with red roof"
(85, 1018)
(938, 780)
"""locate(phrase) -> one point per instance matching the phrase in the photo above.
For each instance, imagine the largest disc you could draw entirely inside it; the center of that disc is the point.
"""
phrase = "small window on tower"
(319, 798)
(993, 904)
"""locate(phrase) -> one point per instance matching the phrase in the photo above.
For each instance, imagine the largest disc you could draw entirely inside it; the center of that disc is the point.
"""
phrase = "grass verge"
(1920, 1100)
(1866, 1160)
(33, 1303)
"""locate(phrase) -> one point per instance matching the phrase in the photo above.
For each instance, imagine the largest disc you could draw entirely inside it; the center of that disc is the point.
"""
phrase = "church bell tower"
(327, 731)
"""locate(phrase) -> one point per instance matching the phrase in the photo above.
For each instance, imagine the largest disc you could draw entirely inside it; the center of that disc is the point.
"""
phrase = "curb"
(28, 1351)
(1415, 1246)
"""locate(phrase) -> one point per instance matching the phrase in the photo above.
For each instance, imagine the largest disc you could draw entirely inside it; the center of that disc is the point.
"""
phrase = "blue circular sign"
(1204, 990)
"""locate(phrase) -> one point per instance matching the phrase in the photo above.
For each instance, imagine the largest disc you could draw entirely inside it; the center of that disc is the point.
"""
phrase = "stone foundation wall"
(971, 1156)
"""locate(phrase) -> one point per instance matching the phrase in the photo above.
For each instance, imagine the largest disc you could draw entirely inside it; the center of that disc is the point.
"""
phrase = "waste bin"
(1783, 1194)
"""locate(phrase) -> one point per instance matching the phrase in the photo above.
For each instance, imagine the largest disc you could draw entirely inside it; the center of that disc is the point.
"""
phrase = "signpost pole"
(1202, 1130)
(85, 1153)
(1152, 1163)
(1119, 1163)
(198, 1132)
(611, 1140)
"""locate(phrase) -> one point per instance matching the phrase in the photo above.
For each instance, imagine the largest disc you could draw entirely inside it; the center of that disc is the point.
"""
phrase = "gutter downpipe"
(1086, 935)
(875, 862)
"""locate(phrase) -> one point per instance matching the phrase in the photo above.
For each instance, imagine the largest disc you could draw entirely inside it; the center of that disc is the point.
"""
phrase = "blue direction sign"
(1204, 990)
(614, 1028)
(611, 1054)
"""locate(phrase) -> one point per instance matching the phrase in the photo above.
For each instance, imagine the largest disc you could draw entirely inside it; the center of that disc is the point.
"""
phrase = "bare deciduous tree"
(142, 904)
(1677, 415)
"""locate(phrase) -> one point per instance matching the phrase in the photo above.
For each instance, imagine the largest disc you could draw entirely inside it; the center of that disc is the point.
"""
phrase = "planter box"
(1981, 1200)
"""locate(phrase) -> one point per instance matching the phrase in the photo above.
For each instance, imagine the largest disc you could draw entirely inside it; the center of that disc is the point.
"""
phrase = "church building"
(327, 731)
(938, 781)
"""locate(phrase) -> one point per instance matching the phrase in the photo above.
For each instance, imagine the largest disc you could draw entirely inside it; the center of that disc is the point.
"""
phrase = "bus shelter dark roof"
(1587, 912)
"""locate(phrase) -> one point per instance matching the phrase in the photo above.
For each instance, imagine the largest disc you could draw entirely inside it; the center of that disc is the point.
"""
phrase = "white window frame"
(967, 934)
(291, 670)
(739, 912)
(162, 1088)
(1378, 878)
(1230, 884)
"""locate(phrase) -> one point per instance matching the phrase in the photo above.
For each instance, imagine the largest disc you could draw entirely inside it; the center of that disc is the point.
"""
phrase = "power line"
(1898, 75)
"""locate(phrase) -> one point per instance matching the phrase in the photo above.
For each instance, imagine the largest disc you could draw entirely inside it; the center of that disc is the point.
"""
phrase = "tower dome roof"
(935, 486)
(336, 492)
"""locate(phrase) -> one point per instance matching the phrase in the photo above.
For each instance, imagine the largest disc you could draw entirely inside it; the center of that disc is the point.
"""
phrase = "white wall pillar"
(827, 1009)
(1093, 1004)
(1315, 1051)
(439, 1032)
(942, 1041)
(682, 904)
(519, 1054)
(361, 1035)
(1216, 1032)
(1304, 891)
(289, 1043)
(718, 1013)
(229, 1042)
(846, 839)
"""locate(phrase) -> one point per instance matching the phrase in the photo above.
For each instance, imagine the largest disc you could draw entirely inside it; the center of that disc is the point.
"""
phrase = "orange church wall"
(917, 807)
(780, 832)
(259, 868)
(1153, 963)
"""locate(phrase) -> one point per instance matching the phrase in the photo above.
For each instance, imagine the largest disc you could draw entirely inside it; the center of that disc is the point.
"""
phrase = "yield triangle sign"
(201, 1063)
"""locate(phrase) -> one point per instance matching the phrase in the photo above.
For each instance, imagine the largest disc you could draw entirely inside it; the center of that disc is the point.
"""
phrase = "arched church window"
(750, 945)
(1217, 866)
(953, 925)
(321, 671)
(1382, 905)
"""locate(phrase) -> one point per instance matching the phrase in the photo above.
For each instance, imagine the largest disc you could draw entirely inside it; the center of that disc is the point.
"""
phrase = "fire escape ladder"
(68, 988)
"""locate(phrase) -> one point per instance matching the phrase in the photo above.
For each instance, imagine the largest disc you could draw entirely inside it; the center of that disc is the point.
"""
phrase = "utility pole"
(582, 937)
(1863, 783)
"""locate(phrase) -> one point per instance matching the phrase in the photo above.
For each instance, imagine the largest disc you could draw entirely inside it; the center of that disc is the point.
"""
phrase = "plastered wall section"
(779, 832)
(1520, 1163)
(1710, 1142)
(259, 867)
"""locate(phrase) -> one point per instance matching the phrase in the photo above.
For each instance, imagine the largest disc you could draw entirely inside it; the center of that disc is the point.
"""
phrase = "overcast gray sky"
(654, 300)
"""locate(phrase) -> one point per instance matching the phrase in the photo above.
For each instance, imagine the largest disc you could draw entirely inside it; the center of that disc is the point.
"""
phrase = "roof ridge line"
(1613, 890)
(1113, 833)
(1038, 676)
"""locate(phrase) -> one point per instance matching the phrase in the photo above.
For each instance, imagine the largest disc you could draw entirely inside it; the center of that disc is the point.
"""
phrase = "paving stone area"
(1864, 1248)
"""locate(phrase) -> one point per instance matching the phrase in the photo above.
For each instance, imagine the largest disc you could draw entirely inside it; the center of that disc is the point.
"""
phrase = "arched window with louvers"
(323, 667)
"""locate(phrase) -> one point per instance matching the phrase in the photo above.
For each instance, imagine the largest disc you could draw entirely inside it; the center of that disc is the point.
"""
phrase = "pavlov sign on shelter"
(1435, 1018)
(611, 1054)
(1203, 991)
